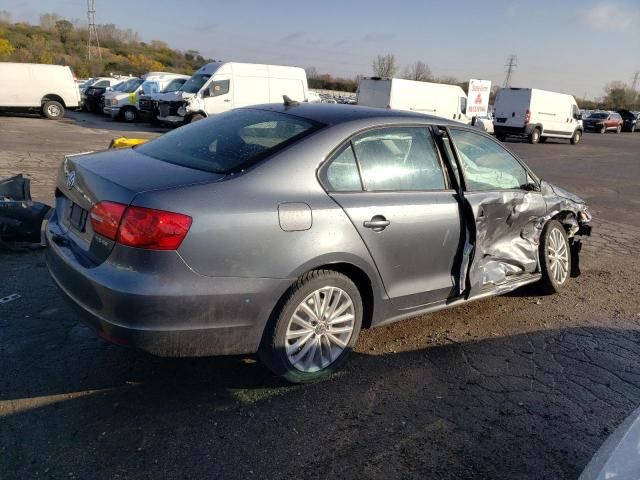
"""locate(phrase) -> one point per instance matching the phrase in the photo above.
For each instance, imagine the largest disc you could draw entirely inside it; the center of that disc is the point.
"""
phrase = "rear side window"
(402, 158)
(342, 173)
(230, 141)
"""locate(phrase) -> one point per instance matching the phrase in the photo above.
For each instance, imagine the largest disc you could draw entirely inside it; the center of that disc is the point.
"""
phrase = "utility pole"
(511, 66)
(93, 44)
(636, 78)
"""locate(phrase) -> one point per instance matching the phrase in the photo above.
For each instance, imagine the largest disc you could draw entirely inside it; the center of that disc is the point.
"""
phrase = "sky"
(571, 46)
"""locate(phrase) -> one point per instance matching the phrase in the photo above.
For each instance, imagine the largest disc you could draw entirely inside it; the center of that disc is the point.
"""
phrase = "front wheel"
(619, 129)
(196, 117)
(555, 257)
(130, 114)
(577, 135)
(314, 329)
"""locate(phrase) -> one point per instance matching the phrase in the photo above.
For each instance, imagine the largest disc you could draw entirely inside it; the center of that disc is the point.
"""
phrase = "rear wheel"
(577, 135)
(603, 128)
(52, 110)
(555, 257)
(314, 329)
(534, 137)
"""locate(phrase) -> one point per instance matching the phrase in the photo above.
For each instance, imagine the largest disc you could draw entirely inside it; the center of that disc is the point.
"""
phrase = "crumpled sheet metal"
(20, 217)
(510, 246)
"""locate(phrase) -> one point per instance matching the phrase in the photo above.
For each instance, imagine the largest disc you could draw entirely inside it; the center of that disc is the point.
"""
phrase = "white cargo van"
(125, 104)
(446, 101)
(48, 88)
(220, 86)
(537, 115)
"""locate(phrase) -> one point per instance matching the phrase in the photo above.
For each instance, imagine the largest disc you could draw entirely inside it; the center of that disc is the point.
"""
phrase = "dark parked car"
(285, 229)
(94, 99)
(603, 122)
(631, 120)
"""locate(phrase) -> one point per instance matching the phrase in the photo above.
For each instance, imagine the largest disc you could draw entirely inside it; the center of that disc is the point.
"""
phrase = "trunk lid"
(115, 176)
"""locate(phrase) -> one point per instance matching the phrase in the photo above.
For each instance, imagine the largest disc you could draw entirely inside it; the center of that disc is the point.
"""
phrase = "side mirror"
(206, 93)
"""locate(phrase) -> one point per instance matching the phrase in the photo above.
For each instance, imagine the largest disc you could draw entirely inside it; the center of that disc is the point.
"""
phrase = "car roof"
(334, 114)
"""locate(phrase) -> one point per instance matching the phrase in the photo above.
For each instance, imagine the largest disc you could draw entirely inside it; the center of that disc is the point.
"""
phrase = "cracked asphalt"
(519, 386)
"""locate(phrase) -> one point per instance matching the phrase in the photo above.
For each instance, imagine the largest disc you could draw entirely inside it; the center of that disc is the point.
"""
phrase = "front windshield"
(150, 87)
(174, 85)
(599, 115)
(195, 83)
(130, 85)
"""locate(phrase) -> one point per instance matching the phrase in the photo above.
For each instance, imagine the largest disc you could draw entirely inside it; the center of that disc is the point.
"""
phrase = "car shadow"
(531, 405)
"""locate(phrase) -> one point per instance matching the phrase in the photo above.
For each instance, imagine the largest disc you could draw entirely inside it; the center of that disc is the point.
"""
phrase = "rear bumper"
(516, 131)
(153, 301)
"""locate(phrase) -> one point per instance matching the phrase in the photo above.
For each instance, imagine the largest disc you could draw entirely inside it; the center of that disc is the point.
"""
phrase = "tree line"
(57, 40)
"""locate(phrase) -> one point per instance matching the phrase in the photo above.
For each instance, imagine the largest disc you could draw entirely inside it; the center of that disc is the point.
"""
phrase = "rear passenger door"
(391, 184)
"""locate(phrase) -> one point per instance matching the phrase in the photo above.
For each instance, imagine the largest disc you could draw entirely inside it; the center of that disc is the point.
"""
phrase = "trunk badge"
(71, 180)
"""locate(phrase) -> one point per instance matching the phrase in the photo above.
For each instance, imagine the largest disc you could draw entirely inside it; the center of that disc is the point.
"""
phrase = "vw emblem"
(71, 180)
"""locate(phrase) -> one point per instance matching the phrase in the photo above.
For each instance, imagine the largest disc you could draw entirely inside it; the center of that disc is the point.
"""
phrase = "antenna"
(512, 63)
(93, 44)
(636, 78)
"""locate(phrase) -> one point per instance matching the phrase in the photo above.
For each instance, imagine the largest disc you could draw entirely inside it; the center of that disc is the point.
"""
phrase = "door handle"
(227, 100)
(377, 223)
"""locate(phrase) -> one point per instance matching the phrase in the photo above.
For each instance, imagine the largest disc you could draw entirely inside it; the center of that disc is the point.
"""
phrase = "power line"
(93, 44)
(512, 63)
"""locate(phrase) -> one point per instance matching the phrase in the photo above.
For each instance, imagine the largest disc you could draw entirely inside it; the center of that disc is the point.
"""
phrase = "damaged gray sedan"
(286, 229)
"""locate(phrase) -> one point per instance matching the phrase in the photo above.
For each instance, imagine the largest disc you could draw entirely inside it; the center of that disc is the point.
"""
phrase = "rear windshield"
(230, 141)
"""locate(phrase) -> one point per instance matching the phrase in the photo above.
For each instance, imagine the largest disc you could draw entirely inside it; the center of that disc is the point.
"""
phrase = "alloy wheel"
(558, 254)
(320, 329)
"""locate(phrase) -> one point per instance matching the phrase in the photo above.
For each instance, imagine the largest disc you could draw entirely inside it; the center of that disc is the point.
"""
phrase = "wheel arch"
(52, 97)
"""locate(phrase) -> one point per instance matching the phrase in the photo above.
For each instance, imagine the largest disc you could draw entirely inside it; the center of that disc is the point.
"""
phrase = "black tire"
(577, 136)
(549, 283)
(534, 136)
(52, 110)
(129, 114)
(195, 117)
(501, 137)
(272, 350)
(603, 128)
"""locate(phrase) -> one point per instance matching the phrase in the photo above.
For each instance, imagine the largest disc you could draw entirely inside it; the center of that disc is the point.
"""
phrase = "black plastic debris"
(20, 217)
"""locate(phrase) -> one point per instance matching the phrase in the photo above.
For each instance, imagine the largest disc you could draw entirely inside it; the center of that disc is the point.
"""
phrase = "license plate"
(78, 217)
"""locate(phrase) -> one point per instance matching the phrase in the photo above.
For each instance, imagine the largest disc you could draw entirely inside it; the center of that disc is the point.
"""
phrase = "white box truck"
(220, 86)
(28, 86)
(537, 115)
(439, 99)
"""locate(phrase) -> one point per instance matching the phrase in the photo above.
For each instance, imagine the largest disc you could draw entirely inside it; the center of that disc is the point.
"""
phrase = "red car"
(603, 121)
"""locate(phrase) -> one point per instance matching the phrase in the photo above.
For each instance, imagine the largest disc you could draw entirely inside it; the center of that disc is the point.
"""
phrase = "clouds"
(609, 16)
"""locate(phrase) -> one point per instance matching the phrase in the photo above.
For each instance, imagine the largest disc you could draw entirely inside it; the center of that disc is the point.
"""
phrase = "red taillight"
(140, 227)
(105, 218)
(527, 117)
(153, 229)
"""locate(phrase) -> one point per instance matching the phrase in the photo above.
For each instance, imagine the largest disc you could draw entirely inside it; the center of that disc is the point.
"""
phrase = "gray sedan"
(285, 229)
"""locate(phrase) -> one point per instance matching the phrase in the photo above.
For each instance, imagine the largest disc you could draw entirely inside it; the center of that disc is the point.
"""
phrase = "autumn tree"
(418, 71)
(384, 66)
(5, 49)
(141, 64)
(64, 28)
(619, 95)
